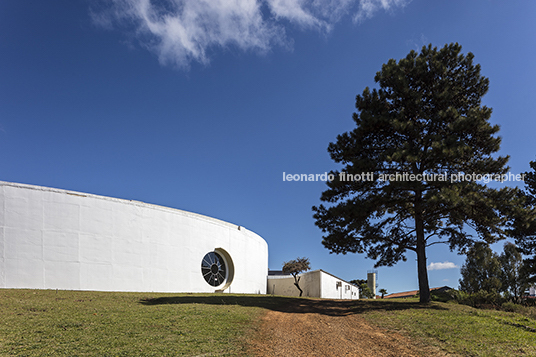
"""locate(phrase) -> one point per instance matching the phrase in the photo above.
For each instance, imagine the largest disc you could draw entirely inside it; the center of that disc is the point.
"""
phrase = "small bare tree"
(294, 267)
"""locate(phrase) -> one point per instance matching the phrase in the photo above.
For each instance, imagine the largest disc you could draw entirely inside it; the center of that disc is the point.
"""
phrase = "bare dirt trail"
(327, 328)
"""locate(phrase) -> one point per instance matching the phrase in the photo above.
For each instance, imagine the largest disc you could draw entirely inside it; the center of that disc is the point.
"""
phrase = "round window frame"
(229, 273)
(210, 261)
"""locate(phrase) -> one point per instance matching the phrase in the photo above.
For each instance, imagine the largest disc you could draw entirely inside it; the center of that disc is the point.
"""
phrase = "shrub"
(527, 301)
(479, 299)
(442, 296)
(494, 300)
(510, 307)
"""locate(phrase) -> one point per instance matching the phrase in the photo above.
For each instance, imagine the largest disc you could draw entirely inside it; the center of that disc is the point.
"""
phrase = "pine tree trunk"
(424, 287)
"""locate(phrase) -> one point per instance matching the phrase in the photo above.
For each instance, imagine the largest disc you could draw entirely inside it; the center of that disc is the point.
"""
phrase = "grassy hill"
(454, 328)
(76, 323)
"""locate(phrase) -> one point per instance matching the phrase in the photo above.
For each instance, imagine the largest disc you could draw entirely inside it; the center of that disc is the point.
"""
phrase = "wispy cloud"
(367, 8)
(294, 11)
(441, 266)
(180, 32)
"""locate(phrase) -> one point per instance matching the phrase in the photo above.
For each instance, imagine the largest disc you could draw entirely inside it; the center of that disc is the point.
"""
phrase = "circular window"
(213, 269)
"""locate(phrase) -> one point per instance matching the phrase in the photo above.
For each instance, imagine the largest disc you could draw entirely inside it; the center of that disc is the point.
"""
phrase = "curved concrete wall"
(58, 239)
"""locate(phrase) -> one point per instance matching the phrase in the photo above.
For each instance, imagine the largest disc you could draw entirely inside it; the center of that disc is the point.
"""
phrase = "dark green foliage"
(364, 290)
(294, 267)
(383, 292)
(441, 295)
(525, 230)
(486, 272)
(530, 182)
(510, 307)
(480, 299)
(358, 282)
(426, 118)
(513, 277)
(481, 270)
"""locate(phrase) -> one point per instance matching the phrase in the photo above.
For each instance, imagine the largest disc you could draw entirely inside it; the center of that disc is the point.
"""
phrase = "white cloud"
(294, 11)
(367, 8)
(182, 31)
(441, 266)
(319, 14)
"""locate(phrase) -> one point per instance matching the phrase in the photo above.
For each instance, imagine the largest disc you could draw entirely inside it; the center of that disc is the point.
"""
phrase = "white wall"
(315, 283)
(284, 284)
(57, 239)
(335, 288)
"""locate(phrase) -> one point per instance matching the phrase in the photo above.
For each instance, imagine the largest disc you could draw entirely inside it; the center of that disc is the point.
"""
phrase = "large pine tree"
(525, 232)
(481, 270)
(425, 119)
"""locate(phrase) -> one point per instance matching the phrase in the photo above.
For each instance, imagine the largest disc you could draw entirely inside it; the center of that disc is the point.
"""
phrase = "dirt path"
(327, 328)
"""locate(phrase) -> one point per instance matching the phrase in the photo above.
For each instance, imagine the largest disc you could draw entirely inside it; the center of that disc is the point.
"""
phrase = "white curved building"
(58, 239)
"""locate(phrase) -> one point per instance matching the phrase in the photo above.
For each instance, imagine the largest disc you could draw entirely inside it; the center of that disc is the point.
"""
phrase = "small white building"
(316, 283)
(59, 239)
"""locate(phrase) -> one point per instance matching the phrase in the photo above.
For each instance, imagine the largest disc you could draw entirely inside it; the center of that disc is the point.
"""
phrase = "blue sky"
(202, 105)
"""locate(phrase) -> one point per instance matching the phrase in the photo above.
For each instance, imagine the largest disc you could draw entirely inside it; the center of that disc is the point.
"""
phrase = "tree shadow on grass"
(292, 304)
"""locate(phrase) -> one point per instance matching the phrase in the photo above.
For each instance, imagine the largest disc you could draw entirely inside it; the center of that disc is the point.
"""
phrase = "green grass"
(77, 323)
(455, 328)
